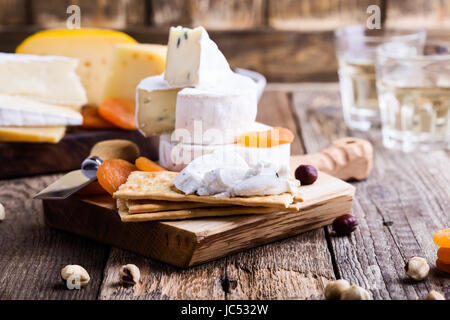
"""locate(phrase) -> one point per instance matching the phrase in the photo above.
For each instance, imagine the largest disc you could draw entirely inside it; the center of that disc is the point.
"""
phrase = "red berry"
(344, 225)
(306, 174)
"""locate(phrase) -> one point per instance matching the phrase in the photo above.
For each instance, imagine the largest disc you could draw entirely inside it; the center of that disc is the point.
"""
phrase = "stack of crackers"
(148, 196)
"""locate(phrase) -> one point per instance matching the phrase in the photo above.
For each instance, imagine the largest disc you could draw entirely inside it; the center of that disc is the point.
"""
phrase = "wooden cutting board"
(28, 159)
(190, 242)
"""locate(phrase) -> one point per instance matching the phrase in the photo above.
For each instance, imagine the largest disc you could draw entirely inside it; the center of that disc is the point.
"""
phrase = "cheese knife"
(77, 179)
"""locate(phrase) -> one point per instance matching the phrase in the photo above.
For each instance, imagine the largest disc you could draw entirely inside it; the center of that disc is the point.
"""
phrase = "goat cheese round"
(227, 174)
(216, 114)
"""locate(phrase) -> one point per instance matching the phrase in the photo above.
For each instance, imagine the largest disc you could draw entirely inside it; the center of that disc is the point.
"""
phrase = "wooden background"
(286, 40)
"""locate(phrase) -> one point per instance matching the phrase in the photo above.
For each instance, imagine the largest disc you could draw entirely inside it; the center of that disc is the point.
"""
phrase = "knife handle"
(108, 149)
(115, 149)
(346, 158)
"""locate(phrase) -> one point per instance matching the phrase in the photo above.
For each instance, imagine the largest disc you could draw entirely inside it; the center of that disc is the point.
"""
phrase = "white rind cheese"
(228, 175)
(155, 106)
(20, 111)
(193, 58)
(216, 115)
(201, 115)
(48, 79)
(175, 155)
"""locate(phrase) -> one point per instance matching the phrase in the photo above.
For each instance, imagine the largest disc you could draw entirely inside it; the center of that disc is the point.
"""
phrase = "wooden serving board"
(27, 159)
(190, 242)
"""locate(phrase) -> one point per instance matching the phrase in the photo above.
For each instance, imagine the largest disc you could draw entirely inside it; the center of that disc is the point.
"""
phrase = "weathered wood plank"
(295, 268)
(275, 110)
(317, 15)
(161, 281)
(279, 55)
(94, 14)
(283, 56)
(227, 15)
(399, 207)
(32, 254)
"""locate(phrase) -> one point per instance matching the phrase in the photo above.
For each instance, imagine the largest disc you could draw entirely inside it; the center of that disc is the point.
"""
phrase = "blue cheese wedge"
(193, 58)
(18, 111)
(48, 79)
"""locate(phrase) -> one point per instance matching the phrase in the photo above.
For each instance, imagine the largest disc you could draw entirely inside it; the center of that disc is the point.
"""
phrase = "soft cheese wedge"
(49, 79)
(132, 63)
(93, 47)
(20, 112)
(155, 106)
(193, 58)
(32, 134)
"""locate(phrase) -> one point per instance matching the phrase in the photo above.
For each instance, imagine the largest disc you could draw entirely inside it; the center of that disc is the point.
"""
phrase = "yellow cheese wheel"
(94, 48)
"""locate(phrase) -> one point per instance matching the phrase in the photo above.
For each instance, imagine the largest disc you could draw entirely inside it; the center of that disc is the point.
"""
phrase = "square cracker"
(194, 213)
(147, 206)
(159, 186)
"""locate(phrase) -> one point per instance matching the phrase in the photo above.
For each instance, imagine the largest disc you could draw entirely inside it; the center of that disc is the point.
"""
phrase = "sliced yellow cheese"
(32, 134)
(131, 64)
(93, 47)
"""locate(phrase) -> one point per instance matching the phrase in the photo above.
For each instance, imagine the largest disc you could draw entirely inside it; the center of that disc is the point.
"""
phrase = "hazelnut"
(345, 224)
(417, 268)
(2, 212)
(434, 295)
(75, 276)
(130, 274)
(355, 293)
(334, 289)
(306, 174)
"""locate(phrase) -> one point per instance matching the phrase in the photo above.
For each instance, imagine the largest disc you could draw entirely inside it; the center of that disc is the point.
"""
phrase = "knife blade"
(77, 179)
(65, 186)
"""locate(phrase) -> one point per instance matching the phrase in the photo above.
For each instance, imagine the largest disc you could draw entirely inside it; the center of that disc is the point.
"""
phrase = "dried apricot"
(119, 112)
(145, 164)
(93, 120)
(445, 267)
(112, 173)
(266, 139)
(444, 255)
(92, 188)
(442, 238)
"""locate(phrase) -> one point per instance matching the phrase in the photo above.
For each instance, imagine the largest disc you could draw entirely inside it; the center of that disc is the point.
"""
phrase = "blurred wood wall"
(287, 40)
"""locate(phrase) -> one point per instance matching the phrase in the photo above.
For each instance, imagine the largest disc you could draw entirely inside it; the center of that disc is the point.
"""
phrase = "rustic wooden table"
(399, 207)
